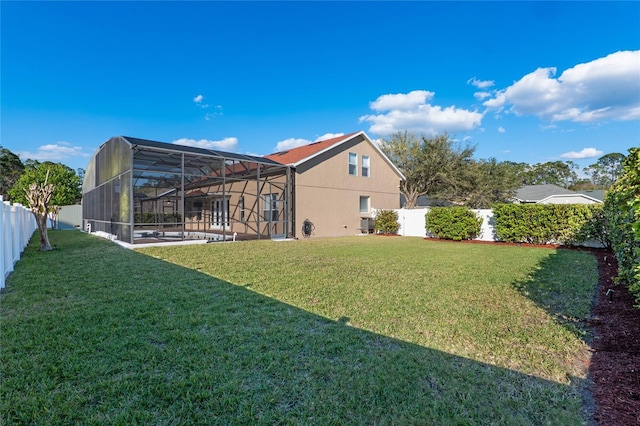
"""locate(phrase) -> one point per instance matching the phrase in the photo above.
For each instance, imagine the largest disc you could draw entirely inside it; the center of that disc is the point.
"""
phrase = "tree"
(561, 173)
(432, 166)
(68, 185)
(11, 168)
(606, 170)
(489, 182)
(38, 196)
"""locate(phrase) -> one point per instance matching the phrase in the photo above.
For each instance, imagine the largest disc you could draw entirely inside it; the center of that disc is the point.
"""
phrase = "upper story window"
(353, 164)
(365, 165)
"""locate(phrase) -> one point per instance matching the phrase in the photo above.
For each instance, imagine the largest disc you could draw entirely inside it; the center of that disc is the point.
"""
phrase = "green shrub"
(386, 222)
(597, 228)
(453, 223)
(622, 208)
(568, 224)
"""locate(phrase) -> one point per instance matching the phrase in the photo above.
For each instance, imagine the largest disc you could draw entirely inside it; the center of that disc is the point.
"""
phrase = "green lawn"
(362, 330)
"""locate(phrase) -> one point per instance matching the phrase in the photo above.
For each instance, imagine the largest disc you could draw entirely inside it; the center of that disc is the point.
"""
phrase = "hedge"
(567, 224)
(453, 223)
(622, 207)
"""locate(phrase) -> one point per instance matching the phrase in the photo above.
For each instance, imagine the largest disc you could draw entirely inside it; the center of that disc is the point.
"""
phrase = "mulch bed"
(614, 369)
(615, 364)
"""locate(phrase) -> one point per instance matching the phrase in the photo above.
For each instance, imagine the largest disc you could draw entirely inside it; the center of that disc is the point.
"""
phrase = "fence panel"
(17, 225)
(412, 223)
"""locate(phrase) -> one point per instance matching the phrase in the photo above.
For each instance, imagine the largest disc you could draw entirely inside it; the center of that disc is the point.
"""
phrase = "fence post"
(3, 239)
(17, 225)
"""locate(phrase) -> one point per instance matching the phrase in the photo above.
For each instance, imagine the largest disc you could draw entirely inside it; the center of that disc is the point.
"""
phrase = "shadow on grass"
(93, 333)
(564, 285)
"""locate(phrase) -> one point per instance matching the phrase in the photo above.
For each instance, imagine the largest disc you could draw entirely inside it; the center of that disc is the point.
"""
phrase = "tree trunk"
(41, 220)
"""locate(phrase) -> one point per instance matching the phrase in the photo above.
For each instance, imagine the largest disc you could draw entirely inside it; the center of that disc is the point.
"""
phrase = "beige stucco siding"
(330, 198)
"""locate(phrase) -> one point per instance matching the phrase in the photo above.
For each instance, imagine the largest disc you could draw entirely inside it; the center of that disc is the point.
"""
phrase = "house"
(338, 182)
(551, 194)
(147, 191)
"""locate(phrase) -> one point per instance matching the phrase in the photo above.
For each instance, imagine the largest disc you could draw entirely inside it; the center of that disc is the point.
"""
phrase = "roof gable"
(297, 156)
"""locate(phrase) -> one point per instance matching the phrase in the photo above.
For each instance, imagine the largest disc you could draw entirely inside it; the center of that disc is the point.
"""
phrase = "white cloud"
(291, 143)
(501, 129)
(480, 84)
(607, 88)
(226, 144)
(482, 95)
(296, 142)
(401, 101)
(58, 152)
(413, 113)
(198, 99)
(328, 136)
(585, 153)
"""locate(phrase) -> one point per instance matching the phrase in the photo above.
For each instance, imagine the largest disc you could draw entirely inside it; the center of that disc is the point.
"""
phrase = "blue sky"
(526, 82)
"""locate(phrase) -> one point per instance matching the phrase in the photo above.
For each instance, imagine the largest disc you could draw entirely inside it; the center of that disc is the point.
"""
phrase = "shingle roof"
(534, 193)
(296, 155)
(598, 194)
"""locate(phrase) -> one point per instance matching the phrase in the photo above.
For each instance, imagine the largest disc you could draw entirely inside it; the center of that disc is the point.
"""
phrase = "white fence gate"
(17, 225)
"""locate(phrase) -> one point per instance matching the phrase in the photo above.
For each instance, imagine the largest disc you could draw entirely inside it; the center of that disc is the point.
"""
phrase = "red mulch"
(614, 370)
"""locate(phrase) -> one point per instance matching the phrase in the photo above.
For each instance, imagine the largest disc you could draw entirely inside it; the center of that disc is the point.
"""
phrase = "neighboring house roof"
(598, 194)
(536, 193)
(424, 201)
(548, 193)
(296, 156)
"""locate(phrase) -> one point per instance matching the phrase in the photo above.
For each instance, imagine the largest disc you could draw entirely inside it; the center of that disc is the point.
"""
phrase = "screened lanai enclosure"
(144, 191)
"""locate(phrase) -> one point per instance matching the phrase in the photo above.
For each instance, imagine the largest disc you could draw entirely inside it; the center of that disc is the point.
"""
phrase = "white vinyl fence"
(17, 225)
(412, 223)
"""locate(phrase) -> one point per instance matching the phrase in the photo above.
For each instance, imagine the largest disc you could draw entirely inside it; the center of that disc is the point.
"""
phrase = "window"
(219, 212)
(365, 165)
(241, 207)
(270, 207)
(353, 164)
(364, 204)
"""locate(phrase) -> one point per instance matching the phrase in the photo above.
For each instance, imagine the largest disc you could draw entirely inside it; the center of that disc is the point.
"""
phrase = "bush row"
(622, 209)
(567, 224)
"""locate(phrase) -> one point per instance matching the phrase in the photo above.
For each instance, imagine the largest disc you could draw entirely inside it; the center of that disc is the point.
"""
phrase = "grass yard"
(361, 330)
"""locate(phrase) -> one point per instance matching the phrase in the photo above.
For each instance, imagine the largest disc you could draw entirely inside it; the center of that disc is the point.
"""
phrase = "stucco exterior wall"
(327, 195)
(246, 210)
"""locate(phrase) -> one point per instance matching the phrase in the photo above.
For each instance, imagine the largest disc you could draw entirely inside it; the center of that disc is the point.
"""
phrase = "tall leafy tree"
(561, 173)
(606, 170)
(11, 167)
(433, 166)
(489, 182)
(68, 185)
